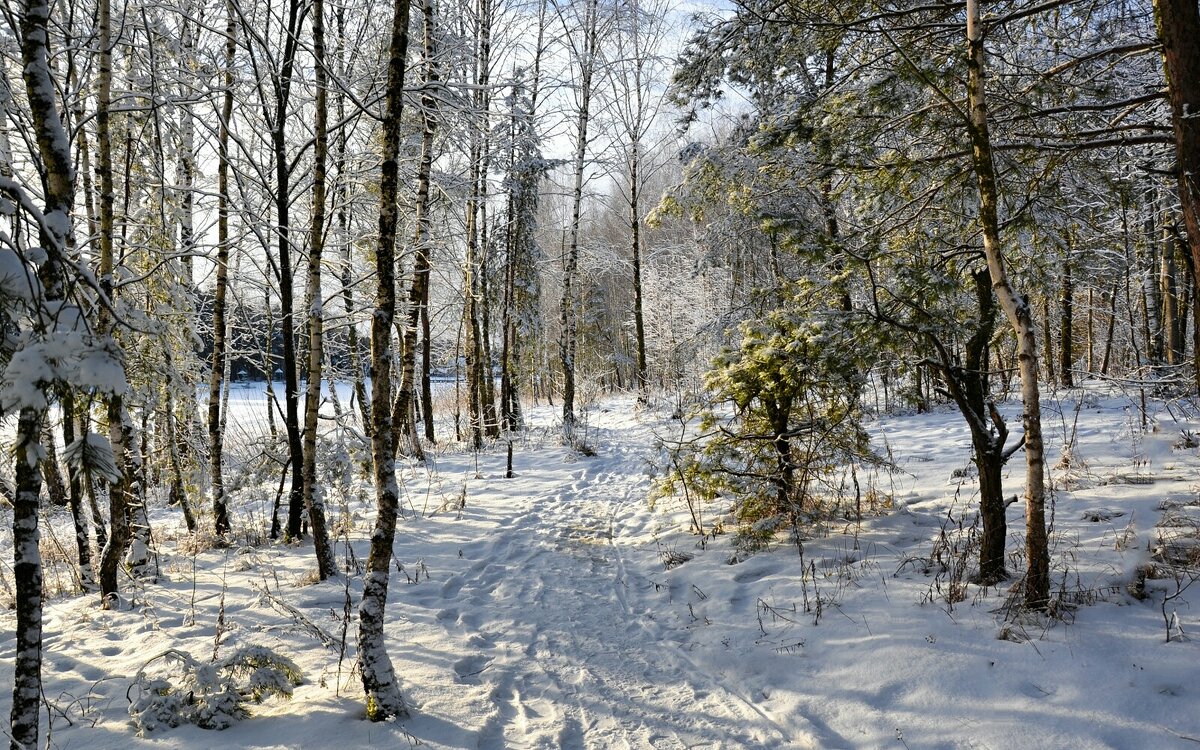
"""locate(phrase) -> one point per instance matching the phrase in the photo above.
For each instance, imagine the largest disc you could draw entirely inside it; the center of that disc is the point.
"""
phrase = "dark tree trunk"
(1168, 293)
(635, 246)
(568, 304)
(56, 488)
(1066, 334)
(426, 366)
(1178, 23)
(1051, 375)
(988, 442)
(1110, 333)
(216, 441)
(968, 388)
(75, 495)
(277, 118)
(419, 291)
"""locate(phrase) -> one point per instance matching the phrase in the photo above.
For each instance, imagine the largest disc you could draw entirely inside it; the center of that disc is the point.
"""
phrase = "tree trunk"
(1016, 309)
(1091, 331)
(990, 462)
(1066, 331)
(1110, 332)
(635, 245)
(59, 187)
(278, 119)
(426, 367)
(1051, 375)
(1178, 23)
(988, 442)
(521, 285)
(419, 291)
(378, 677)
(314, 503)
(567, 306)
(56, 488)
(1173, 345)
(27, 571)
(1148, 271)
(216, 439)
(478, 370)
(120, 434)
(75, 495)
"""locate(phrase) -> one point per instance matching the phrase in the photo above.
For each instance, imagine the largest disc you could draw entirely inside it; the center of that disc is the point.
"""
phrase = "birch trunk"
(1016, 309)
(313, 500)
(378, 676)
(568, 304)
(419, 291)
(59, 184)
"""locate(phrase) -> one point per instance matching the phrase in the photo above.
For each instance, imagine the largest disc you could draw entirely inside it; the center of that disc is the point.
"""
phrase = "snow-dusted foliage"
(784, 416)
(174, 688)
(92, 455)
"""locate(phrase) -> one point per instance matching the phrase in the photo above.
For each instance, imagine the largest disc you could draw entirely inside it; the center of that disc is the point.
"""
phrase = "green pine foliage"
(783, 421)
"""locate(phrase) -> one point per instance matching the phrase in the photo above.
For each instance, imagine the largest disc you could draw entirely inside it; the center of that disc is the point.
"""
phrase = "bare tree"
(584, 48)
(216, 442)
(1016, 309)
(313, 501)
(378, 676)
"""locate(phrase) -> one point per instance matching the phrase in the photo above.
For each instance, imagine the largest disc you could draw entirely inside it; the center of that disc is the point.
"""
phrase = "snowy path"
(554, 628)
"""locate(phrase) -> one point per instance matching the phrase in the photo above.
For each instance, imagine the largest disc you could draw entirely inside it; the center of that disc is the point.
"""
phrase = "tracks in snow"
(568, 653)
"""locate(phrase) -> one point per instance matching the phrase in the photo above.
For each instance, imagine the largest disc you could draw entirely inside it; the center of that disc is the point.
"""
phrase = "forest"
(599, 373)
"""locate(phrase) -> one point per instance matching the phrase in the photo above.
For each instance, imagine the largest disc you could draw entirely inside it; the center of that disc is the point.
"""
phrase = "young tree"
(313, 501)
(1020, 317)
(584, 41)
(216, 441)
(418, 297)
(640, 31)
(378, 676)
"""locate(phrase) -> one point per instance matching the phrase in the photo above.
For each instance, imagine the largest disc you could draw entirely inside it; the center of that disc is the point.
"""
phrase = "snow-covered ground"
(537, 611)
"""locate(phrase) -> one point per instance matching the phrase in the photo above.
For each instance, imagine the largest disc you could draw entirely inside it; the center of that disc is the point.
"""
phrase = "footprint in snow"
(469, 668)
(756, 574)
(451, 587)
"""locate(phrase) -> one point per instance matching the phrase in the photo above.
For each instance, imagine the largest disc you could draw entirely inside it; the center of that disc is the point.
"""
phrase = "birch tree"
(313, 501)
(1020, 317)
(584, 41)
(378, 676)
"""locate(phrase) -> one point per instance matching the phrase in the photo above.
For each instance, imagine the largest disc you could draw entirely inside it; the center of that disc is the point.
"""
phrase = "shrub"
(784, 417)
(173, 688)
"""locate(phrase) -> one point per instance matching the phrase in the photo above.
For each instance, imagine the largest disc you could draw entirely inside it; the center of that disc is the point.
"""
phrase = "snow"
(17, 281)
(537, 612)
(62, 355)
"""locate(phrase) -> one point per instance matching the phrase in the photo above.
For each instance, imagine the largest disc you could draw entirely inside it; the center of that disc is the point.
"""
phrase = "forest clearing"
(558, 608)
(599, 373)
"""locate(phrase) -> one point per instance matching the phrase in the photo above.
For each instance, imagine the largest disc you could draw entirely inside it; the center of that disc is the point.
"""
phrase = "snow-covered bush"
(173, 688)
